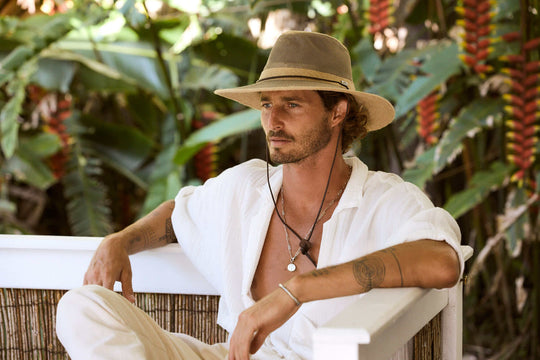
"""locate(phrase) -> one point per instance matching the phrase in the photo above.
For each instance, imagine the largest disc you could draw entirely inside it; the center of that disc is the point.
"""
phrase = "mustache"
(280, 133)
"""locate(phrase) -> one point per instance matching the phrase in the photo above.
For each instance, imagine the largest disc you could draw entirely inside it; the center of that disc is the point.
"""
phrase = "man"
(287, 247)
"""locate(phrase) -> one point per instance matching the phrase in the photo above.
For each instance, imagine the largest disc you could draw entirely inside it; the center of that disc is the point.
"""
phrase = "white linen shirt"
(222, 227)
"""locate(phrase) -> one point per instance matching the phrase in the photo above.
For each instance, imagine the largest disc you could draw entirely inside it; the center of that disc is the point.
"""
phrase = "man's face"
(296, 124)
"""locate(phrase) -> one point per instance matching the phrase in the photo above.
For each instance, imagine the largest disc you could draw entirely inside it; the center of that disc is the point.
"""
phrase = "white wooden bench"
(36, 270)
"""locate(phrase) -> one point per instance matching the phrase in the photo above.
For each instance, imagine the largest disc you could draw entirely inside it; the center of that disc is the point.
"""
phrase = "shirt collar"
(354, 191)
(352, 194)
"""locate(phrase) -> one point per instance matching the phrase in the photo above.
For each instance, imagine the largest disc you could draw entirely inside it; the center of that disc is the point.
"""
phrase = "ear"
(340, 112)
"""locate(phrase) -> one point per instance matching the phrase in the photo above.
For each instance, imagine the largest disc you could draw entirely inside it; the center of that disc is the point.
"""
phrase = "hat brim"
(380, 111)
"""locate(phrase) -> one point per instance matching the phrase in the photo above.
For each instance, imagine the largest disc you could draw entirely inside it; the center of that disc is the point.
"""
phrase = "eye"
(266, 105)
(292, 105)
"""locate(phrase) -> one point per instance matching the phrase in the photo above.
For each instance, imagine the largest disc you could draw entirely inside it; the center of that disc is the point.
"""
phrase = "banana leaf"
(230, 125)
(121, 147)
(412, 74)
(422, 170)
(481, 184)
(27, 164)
(439, 62)
(366, 59)
(479, 114)
(9, 125)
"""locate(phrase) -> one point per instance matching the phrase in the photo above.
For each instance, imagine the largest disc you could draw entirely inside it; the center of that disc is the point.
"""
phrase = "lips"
(277, 141)
(278, 138)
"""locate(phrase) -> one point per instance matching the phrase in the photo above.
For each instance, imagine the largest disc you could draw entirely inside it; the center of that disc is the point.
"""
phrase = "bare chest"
(275, 256)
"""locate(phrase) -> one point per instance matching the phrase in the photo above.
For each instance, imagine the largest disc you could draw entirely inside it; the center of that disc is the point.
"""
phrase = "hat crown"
(302, 60)
(295, 51)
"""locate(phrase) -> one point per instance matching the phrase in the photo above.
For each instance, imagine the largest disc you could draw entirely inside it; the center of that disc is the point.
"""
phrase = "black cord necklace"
(305, 245)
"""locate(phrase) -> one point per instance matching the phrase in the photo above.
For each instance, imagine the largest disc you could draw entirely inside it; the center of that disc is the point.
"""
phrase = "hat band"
(341, 82)
(290, 72)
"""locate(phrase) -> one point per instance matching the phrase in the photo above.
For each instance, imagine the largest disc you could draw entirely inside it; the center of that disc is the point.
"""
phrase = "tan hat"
(302, 60)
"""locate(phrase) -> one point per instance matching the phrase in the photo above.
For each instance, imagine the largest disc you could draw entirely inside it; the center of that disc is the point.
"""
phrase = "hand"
(257, 322)
(109, 264)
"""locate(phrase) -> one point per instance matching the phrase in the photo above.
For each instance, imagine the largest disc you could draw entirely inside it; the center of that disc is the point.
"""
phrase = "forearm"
(152, 231)
(423, 263)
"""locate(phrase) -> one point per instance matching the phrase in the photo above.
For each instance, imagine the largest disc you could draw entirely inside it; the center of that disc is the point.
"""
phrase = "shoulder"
(240, 180)
(251, 171)
(392, 187)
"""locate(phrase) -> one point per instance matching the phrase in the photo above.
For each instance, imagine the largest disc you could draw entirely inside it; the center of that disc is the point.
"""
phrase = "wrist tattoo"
(369, 272)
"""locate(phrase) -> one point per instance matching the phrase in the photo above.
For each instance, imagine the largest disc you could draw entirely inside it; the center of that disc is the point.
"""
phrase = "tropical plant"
(105, 107)
(132, 97)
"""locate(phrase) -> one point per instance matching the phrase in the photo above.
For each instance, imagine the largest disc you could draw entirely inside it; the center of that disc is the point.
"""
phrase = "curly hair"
(355, 123)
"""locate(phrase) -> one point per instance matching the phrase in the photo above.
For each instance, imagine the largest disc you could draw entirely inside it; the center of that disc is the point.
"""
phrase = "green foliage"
(125, 154)
(88, 211)
(138, 83)
(9, 125)
(27, 164)
(476, 117)
(228, 126)
(517, 232)
(481, 184)
(423, 169)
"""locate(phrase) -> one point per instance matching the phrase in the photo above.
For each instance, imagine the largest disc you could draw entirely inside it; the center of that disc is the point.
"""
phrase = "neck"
(305, 182)
(308, 184)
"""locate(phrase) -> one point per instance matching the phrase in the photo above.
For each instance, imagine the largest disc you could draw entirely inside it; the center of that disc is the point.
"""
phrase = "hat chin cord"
(305, 245)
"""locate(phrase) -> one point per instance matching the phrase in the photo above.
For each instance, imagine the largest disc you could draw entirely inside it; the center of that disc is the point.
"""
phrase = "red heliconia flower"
(205, 161)
(523, 109)
(379, 15)
(55, 124)
(427, 117)
(476, 20)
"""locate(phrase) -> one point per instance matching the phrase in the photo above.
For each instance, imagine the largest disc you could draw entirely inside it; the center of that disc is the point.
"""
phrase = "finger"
(127, 286)
(240, 343)
(257, 342)
(109, 284)
(88, 277)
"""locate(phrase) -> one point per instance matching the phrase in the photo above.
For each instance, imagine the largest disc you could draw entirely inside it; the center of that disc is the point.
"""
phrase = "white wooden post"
(452, 318)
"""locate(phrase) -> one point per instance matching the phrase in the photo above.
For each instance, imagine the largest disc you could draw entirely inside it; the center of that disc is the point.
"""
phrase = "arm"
(110, 262)
(422, 263)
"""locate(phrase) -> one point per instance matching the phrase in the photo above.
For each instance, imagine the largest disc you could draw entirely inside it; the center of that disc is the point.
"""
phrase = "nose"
(273, 119)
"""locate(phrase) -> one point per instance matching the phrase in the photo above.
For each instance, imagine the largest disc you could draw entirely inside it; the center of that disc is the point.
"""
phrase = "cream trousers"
(93, 322)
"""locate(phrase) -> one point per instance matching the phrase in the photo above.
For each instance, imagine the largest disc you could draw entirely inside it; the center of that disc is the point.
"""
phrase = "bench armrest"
(59, 263)
(384, 320)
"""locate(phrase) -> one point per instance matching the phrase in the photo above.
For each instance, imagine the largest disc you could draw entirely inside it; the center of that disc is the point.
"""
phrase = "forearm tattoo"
(369, 272)
(392, 251)
(141, 242)
(169, 236)
(320, 272)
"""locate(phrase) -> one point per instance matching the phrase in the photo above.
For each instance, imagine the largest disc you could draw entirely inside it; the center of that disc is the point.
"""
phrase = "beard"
(306, 144)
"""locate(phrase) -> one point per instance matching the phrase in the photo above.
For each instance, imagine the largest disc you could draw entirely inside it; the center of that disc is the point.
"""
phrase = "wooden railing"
(36, 270)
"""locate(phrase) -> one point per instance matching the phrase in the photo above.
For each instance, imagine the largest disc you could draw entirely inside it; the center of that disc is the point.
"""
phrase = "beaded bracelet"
(298, 303)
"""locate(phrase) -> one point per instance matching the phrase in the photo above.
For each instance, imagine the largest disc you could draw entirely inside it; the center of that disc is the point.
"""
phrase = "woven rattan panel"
(27, 323)
(27, 320)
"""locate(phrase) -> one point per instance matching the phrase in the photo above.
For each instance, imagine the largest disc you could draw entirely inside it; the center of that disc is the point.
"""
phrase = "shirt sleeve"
(414, 217)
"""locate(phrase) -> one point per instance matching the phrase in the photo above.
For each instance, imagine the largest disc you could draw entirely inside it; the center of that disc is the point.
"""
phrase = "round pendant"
(291, 267)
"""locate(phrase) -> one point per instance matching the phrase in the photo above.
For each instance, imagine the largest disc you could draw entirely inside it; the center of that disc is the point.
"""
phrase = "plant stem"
(168, 83)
